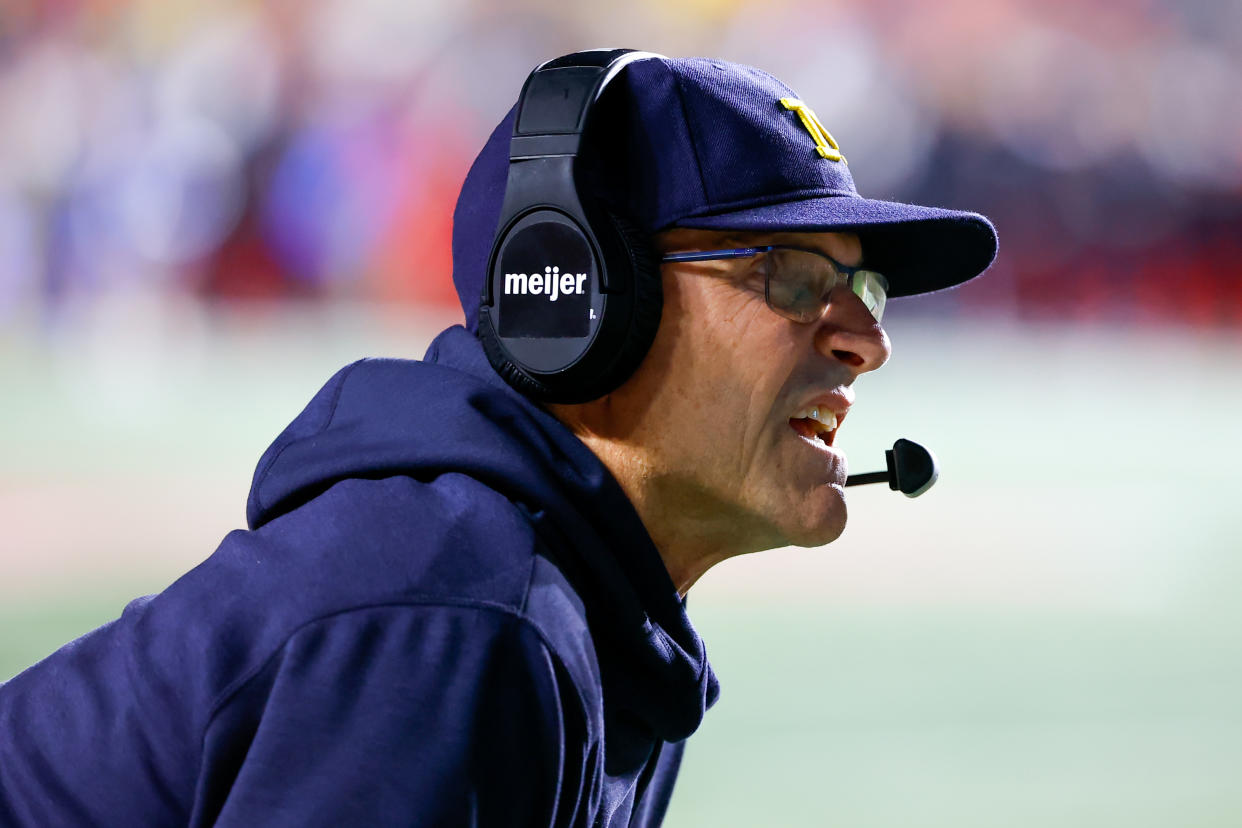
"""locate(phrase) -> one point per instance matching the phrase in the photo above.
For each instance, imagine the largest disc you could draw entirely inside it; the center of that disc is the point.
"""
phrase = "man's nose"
(849, 334)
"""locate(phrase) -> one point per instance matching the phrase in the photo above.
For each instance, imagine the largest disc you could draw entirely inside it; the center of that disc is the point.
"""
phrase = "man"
(459, 606)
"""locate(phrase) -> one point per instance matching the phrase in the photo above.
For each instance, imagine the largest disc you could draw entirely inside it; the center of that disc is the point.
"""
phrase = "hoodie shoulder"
(399, 539)
(371, 589)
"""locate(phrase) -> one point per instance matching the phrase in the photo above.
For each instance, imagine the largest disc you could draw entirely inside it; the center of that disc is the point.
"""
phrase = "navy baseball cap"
(702, 143)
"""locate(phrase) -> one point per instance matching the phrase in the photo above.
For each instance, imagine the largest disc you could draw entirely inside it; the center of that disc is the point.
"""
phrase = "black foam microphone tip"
(912, 469)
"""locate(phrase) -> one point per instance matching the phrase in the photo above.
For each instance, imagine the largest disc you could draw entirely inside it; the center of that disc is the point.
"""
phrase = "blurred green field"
(1051, 636)
(906, 718)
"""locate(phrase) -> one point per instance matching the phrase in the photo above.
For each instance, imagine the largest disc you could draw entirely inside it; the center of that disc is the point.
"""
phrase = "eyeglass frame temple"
(708, 255)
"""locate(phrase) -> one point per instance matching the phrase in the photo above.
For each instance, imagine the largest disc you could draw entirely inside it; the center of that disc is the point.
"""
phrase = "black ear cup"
(648, 304)
(629, 316)
(572, 297)
(509, 370)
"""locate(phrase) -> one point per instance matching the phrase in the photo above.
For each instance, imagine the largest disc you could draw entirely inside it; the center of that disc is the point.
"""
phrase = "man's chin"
(812, 539)
(818, 524)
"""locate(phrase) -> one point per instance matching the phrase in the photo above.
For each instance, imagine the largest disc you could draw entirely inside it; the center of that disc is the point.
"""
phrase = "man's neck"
(684, 525)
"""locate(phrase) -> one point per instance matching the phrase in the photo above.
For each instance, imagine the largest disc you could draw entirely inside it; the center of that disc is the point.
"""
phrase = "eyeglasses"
(797, 281)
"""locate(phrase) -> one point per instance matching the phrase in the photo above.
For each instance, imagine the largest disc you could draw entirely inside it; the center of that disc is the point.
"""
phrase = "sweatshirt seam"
(530, 579)
(230, 692)
(336, 399)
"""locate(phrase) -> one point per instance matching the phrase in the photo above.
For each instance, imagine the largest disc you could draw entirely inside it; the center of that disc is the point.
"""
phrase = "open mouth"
(817, 424)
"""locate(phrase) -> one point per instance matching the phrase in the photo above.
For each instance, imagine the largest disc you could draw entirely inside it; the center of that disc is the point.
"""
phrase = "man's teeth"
(826, 418)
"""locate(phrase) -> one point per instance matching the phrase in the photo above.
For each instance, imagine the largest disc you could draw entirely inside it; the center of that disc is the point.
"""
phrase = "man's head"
(710, 434)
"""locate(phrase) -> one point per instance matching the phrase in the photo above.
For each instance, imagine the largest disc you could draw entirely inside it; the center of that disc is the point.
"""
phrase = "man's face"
(714, 408)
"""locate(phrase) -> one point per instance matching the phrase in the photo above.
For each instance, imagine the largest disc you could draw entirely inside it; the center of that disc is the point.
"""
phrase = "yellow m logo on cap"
(824, 142)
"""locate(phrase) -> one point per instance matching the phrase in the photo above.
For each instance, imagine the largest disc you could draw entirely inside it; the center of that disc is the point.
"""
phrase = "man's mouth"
(817, 424)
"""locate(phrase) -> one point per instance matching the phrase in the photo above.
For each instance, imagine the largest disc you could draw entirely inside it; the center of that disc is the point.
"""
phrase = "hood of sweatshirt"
(451, 413)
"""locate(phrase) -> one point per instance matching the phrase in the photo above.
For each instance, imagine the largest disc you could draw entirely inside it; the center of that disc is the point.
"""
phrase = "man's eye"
(794, 296)
(755, 276)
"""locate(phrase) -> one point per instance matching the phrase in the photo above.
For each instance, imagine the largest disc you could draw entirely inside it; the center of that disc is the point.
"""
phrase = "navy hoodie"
(445, 613)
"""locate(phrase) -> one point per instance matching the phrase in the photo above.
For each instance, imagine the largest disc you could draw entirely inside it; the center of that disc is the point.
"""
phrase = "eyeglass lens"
(799, 284)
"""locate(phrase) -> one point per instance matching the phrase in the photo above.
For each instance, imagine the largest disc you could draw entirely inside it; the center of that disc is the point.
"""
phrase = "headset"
(572, 294)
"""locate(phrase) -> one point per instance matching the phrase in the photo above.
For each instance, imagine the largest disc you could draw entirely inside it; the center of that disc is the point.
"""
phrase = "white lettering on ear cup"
(551, 283)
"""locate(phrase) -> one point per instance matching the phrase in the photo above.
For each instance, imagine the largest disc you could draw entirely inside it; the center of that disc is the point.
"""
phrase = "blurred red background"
(241, 152)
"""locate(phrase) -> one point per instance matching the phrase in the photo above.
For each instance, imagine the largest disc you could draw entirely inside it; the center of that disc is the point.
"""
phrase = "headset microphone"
(912, 469)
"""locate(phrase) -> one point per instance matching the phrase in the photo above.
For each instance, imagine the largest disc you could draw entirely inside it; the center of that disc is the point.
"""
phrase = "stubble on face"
(699, 436)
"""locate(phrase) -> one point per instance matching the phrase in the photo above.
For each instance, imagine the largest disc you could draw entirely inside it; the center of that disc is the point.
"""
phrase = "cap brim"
(918, 249)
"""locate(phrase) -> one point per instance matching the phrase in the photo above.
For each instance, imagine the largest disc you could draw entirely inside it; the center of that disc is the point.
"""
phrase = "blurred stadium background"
(208, 207)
